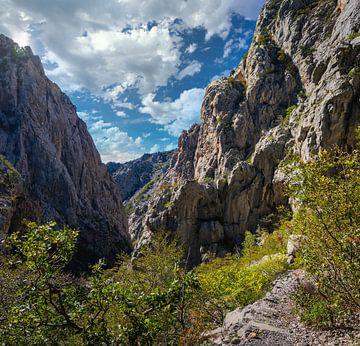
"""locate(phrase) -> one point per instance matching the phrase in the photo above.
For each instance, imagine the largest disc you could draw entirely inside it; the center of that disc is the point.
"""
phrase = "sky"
(136, 70)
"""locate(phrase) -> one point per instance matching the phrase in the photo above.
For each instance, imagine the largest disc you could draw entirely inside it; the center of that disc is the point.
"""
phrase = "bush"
(307, 51)
(286, 119)
(355, 71)
(142, 305)
(263, 39)
(328, 216)
(312, 308)
(235, 281)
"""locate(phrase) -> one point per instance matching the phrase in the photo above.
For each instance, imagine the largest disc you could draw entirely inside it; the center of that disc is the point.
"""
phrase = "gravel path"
(270, 321)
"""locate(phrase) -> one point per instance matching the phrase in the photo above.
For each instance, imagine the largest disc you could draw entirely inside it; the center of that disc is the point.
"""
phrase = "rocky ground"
(271, 321)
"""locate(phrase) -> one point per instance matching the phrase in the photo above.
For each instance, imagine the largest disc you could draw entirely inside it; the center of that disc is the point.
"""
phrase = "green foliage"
(160, 292)
(281, 56)
(263, 39)
(286, 119)
(207, 180)
(140, 196)
(355, 71)
(139, 303)
(328, 216)
(307, 9)
(167, 186)
(353, 36)
(168, 205)
(19, 53)
(312, 308)
(233, 281)
(146, 301)
(11, 171)
(307, 51)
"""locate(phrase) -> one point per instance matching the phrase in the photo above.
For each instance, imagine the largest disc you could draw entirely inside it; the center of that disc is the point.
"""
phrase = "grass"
(286, 119)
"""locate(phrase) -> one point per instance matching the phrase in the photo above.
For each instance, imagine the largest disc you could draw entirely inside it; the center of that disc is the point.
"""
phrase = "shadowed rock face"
(133, 175)
(49, 145)
(291, 94)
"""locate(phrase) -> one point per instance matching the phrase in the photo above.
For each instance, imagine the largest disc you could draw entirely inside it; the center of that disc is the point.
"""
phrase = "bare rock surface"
(49, 145)
(295, 92)
(271, 321)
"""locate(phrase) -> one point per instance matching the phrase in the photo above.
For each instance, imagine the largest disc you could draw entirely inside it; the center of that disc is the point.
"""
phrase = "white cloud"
(232, 45)
(155, 148)
(191, 48)
(112, 143)
(170, 146)
(146, 135)
(121, 114)
(191, 69)
(175, 115)
(108, 44)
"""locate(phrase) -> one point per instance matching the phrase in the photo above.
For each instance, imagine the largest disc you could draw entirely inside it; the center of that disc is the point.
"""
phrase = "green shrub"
(235, 281)
(307, 9)
(355, 71)
(281, 56)
(286, 119)
(140, 302)
(353, 36)
(227, 283)
(263, 39)
(327, 189)
(307, 51)
(19, 53)
(312, 308)
(168, 205)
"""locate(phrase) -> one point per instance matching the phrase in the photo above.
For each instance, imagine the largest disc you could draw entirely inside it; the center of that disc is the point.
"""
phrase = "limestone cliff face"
(296, 91)
(63, 177)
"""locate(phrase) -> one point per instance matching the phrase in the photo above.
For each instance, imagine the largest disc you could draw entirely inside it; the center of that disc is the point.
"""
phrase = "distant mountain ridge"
(133, 175)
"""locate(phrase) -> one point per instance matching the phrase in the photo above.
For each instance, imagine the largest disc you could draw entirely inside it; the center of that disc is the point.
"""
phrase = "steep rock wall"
(296, 91)
(49, 145)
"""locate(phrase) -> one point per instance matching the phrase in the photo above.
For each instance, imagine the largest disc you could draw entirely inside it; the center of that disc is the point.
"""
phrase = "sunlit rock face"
(296, 91)
(49, 145)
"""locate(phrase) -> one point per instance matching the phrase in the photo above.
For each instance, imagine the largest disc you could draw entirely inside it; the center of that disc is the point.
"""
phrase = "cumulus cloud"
(155, 148)
(175, 115)
(112, 143)
(110, 44)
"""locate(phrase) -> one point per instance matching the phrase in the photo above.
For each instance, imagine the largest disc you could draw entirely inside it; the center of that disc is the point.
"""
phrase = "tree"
(327, 191)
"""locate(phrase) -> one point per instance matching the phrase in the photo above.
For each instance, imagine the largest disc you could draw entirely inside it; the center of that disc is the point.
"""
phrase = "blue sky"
(136, 70)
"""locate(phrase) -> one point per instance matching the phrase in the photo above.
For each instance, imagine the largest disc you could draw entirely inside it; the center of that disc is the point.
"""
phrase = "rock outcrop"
(271, 321)
(49, 145)
(296, 91)
(11, 188)
(131, 176)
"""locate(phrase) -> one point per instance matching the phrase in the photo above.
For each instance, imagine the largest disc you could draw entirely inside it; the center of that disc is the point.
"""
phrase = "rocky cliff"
(61, 171)
(133, 175)
(294, 92)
